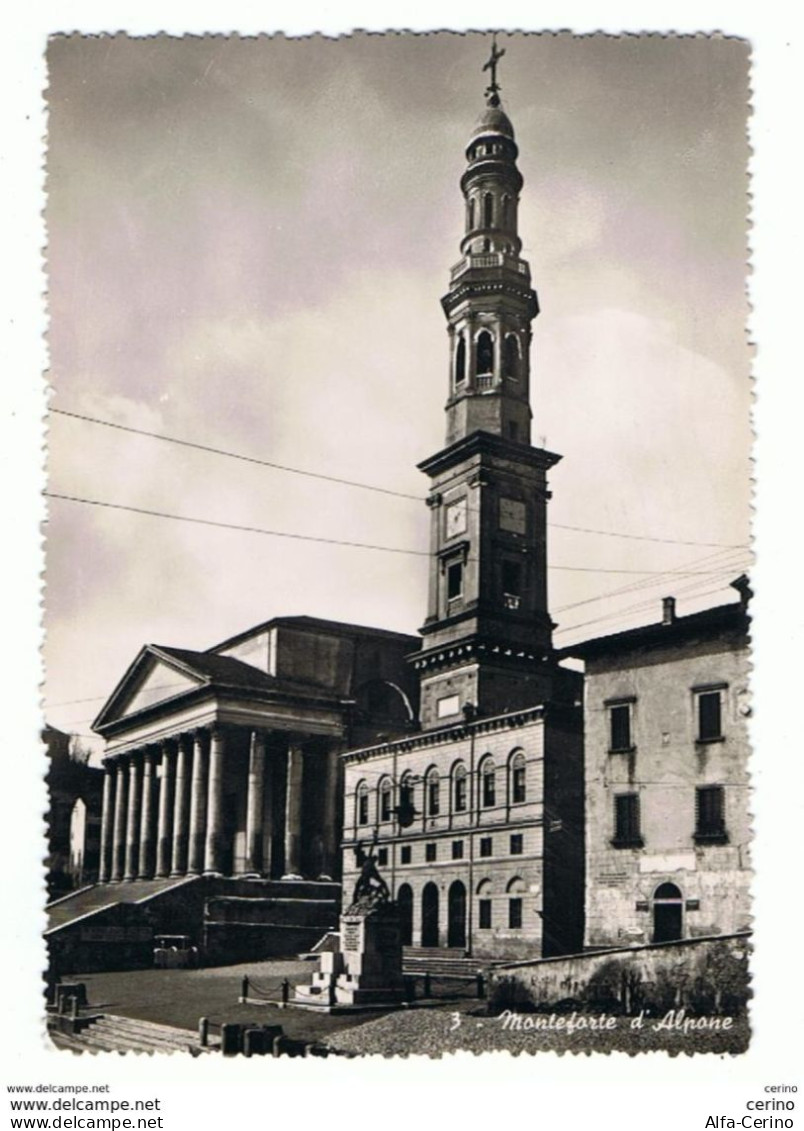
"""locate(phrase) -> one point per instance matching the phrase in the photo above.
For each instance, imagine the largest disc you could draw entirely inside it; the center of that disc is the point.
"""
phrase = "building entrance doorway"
(404, 902)
(456, 915)
(430, 915)
(667, 914)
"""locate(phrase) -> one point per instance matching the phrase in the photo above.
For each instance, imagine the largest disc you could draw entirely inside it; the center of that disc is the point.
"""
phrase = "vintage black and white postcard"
(399, 607)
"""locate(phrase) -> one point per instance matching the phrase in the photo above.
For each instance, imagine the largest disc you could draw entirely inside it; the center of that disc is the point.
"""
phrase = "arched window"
(518, 782)
(485, 352)
(433, 787)
(506, 211)
(362, 804)
(511, 357)
(471, 216)
(460, 360)
(488, 210)
(488, 783)
(407, 810)
(386, 799)
(460, 800)
(516, 890)
(484, 920)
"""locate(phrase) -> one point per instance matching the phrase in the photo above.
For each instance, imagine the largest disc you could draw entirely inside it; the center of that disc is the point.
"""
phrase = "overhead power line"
(235, 455)
(720, 561)
(359, 484)
(338, 541)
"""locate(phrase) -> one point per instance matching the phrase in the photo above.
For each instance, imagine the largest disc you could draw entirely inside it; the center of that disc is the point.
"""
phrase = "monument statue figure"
(371, 890)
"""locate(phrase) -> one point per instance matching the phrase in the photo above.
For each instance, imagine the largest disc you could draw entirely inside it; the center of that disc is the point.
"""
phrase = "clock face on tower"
(512, 516)
(456, 518)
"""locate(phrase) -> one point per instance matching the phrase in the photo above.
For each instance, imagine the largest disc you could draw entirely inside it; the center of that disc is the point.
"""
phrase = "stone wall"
(703, 975)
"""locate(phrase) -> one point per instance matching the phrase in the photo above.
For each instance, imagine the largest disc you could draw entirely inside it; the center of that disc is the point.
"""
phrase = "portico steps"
(227, 919)
(89, 900)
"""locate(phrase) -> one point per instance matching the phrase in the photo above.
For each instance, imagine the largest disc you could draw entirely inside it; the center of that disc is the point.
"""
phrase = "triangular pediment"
(150, 680)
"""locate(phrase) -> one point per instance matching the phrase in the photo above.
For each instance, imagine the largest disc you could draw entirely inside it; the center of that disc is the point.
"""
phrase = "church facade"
(225, 762)
(478, 820)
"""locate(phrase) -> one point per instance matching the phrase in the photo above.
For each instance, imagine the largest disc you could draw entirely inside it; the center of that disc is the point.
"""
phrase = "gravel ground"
(433, 1032)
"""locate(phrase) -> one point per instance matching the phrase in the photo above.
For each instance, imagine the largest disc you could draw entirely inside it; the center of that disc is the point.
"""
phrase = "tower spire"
(493, 89)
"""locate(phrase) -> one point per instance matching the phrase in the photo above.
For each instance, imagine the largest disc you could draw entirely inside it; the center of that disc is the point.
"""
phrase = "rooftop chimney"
(668, 610)
(741, 584)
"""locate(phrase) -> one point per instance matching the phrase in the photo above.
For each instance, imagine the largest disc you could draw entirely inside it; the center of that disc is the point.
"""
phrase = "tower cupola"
(490, 303)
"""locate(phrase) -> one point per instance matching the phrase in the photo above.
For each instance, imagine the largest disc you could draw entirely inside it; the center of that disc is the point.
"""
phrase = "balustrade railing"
(489, 260)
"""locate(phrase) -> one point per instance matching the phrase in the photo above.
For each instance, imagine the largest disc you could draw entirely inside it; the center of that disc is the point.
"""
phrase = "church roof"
(196, 673)
(227, 671)
(340, 628)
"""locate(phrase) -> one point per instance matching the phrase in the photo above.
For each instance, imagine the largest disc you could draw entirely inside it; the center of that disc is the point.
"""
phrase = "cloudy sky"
(248, 239)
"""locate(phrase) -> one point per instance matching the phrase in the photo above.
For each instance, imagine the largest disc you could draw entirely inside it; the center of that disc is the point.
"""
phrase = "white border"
(617, 1092)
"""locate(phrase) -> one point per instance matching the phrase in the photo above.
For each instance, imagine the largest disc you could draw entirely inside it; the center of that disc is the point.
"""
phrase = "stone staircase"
(110, 1033)
(89, 900)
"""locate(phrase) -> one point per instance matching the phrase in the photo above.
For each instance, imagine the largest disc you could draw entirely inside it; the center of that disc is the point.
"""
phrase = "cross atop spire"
(491, 65)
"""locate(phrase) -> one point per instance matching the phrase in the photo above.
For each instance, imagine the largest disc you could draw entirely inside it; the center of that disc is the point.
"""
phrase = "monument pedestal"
(366, 970)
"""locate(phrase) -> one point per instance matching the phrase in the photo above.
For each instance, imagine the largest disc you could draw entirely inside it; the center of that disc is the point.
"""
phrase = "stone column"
(498, 336)
(133, 819)
(119, 828)
(107, 818)
(148, 818)
(255, 802)
(293, 812)
(164, 837)
(213, 848)
(332, 796)
(181, 808)
(198, 805)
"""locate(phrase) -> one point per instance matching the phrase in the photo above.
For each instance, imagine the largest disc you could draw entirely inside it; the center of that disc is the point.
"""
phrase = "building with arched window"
(667, 814)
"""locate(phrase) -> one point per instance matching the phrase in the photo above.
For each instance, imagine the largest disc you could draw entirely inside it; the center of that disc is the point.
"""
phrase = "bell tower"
(488, 635)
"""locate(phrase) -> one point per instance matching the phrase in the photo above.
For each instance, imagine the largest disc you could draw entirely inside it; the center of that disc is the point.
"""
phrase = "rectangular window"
(382, 857)
(514, 914)
(433, 796)
(710, 821)
(620, 726)
(518, 791)
(710, 723)
(512, 578)
(454, 580)
(449, 705)
(430, 852)
(484, 914)
(516, 844)
(626, 821)
(485, 846)
(404, 854)
(457, 850)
